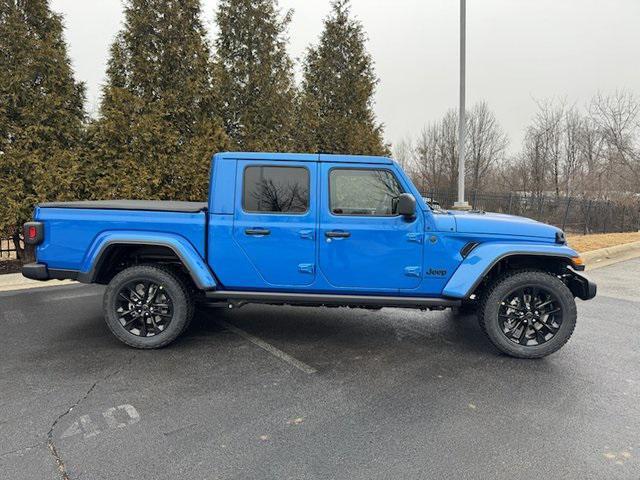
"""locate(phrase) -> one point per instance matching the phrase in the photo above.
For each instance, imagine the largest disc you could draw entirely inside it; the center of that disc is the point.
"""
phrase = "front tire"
(147, 306)
(528, 314)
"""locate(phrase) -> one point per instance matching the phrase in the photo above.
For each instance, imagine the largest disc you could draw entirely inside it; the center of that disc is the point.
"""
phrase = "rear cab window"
(275, 189)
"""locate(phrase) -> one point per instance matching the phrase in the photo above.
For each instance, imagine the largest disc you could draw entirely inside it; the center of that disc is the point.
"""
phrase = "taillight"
(33, 233)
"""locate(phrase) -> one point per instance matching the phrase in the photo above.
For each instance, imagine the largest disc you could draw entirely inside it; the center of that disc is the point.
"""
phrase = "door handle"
(337, 234)
(257, 231)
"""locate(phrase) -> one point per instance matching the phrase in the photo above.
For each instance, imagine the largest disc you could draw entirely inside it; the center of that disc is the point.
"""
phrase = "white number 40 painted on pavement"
(115, 417)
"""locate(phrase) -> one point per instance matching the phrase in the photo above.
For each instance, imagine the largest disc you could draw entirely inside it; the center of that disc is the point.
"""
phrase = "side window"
(274, 189)
(363, 192)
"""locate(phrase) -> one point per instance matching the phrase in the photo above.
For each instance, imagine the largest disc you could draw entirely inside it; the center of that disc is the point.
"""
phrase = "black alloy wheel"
(148, 306)
(144, 308)
(530, 315)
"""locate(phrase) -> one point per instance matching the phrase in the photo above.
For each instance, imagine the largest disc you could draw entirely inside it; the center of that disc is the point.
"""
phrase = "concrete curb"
(15, 281)
(610, 255)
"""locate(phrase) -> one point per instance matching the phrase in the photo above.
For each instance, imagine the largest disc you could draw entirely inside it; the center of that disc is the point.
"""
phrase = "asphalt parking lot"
(293, 393)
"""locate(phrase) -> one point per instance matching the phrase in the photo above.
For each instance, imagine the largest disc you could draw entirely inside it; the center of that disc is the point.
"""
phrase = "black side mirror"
(406, 205)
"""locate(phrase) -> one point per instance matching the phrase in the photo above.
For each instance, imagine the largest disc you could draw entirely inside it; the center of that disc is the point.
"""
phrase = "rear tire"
(528, 313)
(147, 306)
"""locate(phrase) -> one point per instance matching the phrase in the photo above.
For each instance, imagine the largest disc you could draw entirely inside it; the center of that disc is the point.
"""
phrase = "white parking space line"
(285, 357)
(74, 296)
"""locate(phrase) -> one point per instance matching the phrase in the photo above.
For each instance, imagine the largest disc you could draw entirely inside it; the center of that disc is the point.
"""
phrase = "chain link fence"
(576, 215)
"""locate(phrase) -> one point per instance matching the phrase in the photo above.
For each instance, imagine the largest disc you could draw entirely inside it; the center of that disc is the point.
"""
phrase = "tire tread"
(550, 277)
(190, 305)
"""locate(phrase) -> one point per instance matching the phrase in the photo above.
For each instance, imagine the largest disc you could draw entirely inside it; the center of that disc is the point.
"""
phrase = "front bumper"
(582, 288)
(39, 271)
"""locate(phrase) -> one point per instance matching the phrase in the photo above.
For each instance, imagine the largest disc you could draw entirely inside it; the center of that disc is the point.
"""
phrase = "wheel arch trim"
(484, 257)
(183, 249)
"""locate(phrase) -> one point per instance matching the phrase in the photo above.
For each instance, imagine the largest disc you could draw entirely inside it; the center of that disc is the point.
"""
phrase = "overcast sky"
(517, 51)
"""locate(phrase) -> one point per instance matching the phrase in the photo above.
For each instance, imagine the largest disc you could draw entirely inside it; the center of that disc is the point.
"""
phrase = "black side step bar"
(331, 299)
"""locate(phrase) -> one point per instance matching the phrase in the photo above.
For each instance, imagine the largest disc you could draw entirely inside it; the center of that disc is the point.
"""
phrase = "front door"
(364, 243)
(275, 220)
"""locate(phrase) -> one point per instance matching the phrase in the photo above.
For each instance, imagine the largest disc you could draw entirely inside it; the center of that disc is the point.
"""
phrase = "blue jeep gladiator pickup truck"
(312, 230)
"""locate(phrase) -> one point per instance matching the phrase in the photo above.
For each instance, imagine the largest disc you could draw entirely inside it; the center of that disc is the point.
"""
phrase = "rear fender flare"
(184, 250)
(486, 255)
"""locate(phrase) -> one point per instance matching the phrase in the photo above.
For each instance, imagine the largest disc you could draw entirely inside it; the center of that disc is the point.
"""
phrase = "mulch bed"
(586, 243)
(10, 266)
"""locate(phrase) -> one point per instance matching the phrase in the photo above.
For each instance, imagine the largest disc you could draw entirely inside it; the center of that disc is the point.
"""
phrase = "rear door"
(275, 219)
(363, 243)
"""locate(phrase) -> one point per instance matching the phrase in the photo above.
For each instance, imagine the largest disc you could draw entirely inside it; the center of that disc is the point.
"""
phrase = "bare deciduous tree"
(548, 127)
(572, 129)
(403, 153)
(436, 150)
(592, 173)
(428, 167)
(487, 145)
(535, 159)
(436, 154)
(618, 119)
(592, 153)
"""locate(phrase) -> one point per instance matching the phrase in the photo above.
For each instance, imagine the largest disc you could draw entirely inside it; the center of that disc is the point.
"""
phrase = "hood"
(500, 224)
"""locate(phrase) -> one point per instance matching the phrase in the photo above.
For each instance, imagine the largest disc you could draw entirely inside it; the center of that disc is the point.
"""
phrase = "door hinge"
(414, 237)
(307, 234)
(412, 271)
(306, 267)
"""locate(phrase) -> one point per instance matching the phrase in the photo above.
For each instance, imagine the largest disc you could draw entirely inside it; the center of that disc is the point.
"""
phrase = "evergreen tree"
(256, 76)
(41, 112)
(158, 122)
(335, 106)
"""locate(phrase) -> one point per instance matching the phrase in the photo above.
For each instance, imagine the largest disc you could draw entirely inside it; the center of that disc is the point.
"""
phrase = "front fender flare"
(486, 255)
(188, 255)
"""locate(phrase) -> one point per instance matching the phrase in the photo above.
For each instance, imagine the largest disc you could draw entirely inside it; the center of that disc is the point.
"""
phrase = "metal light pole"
(462, 124)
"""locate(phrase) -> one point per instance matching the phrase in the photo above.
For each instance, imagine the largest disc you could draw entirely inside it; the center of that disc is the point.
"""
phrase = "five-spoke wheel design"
(144, 308)
(530, 315)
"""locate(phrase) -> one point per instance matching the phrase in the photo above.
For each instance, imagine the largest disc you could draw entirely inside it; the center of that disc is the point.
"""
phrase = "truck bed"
(75, 231)
(144, 205)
